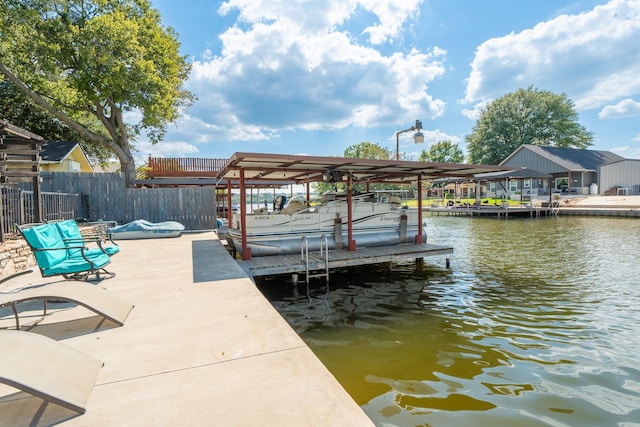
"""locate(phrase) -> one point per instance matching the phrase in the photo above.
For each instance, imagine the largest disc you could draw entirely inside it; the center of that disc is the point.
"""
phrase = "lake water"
(537, 323)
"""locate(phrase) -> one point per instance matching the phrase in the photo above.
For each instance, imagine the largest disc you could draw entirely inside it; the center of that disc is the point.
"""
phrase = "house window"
(73, 166)
(513, 185)
(526, 183)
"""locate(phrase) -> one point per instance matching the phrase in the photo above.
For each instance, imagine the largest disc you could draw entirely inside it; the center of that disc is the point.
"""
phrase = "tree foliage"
(109, 61)
(19, 110)
(527, 116)
(443, 152)
(363, 150)
(367, 150)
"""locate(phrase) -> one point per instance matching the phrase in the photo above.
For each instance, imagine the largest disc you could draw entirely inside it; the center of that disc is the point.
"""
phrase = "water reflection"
(537, 323)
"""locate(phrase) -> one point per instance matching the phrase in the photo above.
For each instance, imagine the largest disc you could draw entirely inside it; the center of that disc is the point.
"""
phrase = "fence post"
(21, 209)
(86, 205)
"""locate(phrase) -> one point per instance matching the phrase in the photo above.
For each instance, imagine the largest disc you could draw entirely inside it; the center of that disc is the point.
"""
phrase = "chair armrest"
(66, 248)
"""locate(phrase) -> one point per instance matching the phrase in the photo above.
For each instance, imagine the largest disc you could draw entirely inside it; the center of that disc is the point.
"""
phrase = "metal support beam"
(246, 251)
(351, 244)
(419, 236)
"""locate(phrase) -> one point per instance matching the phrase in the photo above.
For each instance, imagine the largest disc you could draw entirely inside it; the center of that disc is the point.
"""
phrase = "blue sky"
(315, 77)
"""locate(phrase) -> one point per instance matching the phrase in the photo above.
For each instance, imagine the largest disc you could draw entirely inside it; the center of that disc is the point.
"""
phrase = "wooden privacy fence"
(105, 197)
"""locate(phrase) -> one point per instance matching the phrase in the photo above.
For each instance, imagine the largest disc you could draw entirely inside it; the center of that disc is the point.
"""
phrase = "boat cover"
(144, 225)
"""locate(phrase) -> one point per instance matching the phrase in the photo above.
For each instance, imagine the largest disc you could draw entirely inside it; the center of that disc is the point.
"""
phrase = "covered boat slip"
(304, 170)
(526, 205)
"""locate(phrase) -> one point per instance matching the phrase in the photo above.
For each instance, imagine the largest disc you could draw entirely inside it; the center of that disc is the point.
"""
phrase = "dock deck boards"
(495, 211)
(284, 264)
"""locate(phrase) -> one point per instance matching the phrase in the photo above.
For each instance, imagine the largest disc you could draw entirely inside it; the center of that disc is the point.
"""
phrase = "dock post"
(337, 233)
(447, 263)
(403, 226)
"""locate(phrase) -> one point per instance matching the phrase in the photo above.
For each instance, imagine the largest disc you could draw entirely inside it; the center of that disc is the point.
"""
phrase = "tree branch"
(59, 114)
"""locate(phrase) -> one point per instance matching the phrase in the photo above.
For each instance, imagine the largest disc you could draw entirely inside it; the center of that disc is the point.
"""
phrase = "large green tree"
(527, 116)
(105, 60)
(19, 110)
(443, 152)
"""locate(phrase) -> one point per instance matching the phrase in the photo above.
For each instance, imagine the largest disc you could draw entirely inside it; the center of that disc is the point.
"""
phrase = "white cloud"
(163, 149)
(627, 151)
(292, 65)
(625, 108)
(317, 17)
(435, 136)
(476, 110)
(593, 57)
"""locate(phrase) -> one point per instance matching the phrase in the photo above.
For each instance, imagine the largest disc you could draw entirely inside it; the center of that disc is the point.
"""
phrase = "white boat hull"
(133, 235)
(374, 224)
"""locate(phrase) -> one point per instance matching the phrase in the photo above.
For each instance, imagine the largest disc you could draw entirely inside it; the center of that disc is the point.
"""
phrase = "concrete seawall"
(202, 346)
(619, 206)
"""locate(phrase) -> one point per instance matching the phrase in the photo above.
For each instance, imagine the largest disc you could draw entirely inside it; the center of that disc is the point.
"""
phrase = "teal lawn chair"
(73, 237)
(56, 258)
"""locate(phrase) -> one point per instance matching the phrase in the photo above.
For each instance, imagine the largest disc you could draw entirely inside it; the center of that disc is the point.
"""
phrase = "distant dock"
(494, 211)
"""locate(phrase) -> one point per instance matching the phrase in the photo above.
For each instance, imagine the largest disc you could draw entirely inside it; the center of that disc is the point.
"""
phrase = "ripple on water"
(537, 323)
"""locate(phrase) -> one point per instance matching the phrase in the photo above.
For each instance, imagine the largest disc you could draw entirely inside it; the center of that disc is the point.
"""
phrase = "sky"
(314, 77)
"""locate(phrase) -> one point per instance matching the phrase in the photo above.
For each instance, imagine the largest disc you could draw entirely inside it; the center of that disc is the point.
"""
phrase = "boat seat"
(395, 200)
(47, 369)
(95, 298)
(293, 207)
(279, 202)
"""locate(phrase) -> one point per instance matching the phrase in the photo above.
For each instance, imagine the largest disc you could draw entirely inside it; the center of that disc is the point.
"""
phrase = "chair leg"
(86, 276)
(77, 276)
(98, 273)
(15, 313)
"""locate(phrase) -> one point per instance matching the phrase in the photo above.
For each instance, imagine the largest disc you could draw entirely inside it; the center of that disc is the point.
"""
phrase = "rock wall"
(15, 257)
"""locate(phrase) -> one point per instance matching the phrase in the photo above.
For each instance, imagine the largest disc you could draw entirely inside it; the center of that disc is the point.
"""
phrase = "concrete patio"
(202, 346)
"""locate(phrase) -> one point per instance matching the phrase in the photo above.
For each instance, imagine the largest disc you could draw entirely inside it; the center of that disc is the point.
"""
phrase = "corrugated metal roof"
(301, 169)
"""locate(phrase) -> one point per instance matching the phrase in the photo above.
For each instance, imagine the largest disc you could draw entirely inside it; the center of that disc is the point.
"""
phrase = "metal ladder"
(324, 254)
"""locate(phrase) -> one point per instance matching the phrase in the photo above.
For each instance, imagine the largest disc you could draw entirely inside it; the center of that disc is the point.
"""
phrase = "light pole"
(418, 137)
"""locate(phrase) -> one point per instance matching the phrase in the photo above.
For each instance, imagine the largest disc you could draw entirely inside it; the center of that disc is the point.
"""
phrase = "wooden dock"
(286, 264)
(494, 211)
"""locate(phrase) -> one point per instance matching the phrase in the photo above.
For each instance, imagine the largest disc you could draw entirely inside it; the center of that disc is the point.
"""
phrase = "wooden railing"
(176, 167)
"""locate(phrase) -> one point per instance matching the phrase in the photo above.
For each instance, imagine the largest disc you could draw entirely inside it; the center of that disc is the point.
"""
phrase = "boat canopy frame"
(244, 167)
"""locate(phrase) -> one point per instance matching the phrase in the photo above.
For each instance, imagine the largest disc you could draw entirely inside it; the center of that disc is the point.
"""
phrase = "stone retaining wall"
(15, 257)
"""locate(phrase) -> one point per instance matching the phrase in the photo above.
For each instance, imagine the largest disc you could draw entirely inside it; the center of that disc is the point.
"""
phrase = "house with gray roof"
(63, 156)
(573, 171)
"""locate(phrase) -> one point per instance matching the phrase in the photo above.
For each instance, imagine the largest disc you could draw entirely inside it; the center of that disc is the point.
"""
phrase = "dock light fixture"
(418, 137)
